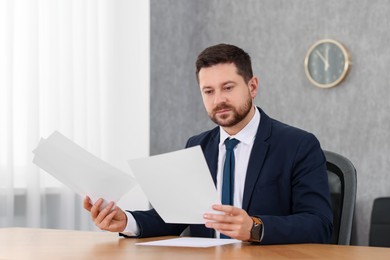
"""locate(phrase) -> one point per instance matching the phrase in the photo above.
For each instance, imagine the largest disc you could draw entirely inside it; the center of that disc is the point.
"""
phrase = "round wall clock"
(327, 63)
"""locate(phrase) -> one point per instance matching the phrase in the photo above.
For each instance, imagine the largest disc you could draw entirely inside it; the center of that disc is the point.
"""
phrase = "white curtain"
(64, 65)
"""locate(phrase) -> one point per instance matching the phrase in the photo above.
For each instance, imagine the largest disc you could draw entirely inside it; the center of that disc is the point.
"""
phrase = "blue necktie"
(228, 174)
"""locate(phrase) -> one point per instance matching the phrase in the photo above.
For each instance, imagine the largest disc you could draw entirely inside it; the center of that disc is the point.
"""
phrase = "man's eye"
(208, 92)
(228, 88)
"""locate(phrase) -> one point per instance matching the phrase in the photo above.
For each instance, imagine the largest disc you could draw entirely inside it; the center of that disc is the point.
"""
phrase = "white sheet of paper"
(80, 170)
(178, 185)
(190, 242)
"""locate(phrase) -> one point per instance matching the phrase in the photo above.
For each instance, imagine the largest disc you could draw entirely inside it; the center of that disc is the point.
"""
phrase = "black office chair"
(380, 223)
(342, 185)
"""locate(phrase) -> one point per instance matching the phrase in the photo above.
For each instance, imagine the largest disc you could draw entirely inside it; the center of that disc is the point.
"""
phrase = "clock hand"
(327, 58)
(323, 59)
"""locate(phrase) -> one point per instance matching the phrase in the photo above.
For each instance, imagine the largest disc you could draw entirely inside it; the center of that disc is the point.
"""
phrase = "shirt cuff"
(132, 229)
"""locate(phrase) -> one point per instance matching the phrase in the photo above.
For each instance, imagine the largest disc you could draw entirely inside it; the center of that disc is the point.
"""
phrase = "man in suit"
(280, 189)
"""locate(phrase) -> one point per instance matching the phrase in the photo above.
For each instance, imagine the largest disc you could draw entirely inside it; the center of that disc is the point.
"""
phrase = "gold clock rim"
(347, 64)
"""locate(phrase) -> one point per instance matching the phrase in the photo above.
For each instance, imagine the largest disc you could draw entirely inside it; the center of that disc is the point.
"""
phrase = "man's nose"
(219, 98)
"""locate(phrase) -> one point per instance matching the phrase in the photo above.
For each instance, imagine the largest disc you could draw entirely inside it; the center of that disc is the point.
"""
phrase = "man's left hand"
(235, 222)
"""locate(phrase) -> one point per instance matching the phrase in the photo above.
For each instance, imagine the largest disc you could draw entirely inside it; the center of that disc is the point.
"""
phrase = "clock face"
(326, 63)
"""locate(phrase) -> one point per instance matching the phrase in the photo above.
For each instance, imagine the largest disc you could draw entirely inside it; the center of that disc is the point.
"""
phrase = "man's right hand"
(110, 218)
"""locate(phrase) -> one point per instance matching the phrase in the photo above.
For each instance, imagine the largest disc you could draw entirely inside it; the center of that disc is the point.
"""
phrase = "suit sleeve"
(310, 220)
(152, 225)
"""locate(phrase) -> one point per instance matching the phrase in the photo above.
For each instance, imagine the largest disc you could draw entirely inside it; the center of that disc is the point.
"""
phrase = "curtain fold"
(52, 77)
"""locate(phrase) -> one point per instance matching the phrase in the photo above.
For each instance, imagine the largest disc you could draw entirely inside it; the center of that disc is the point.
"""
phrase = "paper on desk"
(80, 170)
(178, 185)
(190, 242)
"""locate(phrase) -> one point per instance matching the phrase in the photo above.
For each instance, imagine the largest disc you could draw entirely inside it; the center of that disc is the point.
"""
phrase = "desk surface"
(26, 243)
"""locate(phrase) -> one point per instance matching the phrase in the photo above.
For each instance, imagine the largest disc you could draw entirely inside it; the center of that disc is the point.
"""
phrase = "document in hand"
(178, 185)
(80, 170)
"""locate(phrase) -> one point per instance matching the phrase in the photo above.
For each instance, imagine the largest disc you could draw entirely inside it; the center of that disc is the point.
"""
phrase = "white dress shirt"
(241, 153)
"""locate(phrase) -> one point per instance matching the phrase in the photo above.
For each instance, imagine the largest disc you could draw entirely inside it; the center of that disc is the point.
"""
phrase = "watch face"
(326, 63)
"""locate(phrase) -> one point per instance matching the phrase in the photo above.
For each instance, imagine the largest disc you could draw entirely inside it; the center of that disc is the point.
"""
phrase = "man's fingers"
(104, 212)
(110, 218)
(106, 222)
(221, 226)
(87, 203)
(219, 217)
(233, 222)
(227, 209)
(230, 230)
(95, 210)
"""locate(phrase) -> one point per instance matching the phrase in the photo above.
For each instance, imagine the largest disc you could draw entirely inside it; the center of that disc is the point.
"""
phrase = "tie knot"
(231, 143)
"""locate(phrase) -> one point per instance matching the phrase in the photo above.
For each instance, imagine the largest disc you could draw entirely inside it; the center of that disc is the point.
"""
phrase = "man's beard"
(238, 114)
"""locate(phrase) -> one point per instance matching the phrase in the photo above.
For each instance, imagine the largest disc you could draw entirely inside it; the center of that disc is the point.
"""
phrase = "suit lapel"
(257, 157)
(211, 152)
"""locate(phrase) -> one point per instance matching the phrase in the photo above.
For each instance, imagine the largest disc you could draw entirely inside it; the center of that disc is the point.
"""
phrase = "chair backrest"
(380, 223)
(342, 185)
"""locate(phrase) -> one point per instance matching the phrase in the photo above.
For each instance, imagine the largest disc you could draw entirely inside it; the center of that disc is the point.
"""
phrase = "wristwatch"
(257, 230)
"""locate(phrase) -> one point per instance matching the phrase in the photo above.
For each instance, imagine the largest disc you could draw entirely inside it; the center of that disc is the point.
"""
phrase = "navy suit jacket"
(286, 186)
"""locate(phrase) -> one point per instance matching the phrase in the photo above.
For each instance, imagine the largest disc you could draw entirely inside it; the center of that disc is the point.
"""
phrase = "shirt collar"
(247, 134)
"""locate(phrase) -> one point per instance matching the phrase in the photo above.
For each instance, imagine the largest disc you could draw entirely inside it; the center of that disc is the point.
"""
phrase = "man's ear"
(253, 85)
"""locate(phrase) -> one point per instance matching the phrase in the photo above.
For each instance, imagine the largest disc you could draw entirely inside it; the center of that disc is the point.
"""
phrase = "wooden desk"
(25, 243)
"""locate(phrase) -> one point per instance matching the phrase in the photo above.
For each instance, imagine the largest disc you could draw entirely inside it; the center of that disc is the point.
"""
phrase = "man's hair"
(225, 53)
